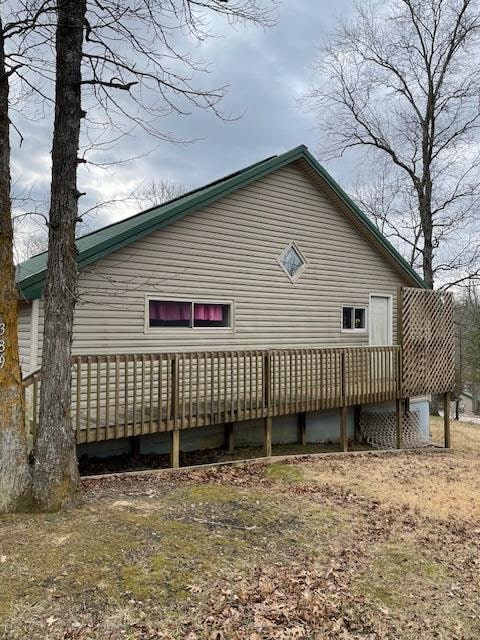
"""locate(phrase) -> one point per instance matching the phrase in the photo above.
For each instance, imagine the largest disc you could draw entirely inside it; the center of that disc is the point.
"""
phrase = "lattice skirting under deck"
(379, 430)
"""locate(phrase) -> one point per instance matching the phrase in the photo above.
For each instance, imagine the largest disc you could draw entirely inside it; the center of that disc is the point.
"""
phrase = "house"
(260, 302)
(469, 401)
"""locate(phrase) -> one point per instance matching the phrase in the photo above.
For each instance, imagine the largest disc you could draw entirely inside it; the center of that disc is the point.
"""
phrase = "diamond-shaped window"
(292, 261)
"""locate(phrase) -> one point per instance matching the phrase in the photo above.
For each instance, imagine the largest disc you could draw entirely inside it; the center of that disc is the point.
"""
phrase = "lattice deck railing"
(426, 333)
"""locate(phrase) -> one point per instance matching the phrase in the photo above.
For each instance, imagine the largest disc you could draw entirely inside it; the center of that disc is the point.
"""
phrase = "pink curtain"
(212, 312)
(170, 311)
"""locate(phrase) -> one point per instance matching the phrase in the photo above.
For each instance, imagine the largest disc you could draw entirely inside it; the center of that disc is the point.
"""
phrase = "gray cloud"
(266, 70)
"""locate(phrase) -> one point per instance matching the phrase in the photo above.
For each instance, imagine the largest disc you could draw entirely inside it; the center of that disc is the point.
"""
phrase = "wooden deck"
(116, 396)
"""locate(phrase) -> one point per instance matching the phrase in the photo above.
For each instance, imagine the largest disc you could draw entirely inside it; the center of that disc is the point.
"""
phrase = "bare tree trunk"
(425, 199)
(425, 208)
(14, 467)
(428, 251)
(55, 474)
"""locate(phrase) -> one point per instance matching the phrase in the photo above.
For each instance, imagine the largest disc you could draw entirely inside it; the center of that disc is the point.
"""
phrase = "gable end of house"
(98, 244)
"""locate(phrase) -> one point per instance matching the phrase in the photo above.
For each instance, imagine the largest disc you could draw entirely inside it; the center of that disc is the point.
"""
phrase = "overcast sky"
(266, 69)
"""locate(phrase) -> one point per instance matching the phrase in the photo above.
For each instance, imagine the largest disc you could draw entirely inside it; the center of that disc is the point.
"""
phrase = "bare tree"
(468, 319)
(31, 225)
(55, 472)
(156, 193)
(119, 67)
(14, 466)
(401, 82)
(29, 243)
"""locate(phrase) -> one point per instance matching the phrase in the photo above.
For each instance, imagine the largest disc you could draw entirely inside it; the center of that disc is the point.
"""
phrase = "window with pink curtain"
(211, 315)
(172, 313)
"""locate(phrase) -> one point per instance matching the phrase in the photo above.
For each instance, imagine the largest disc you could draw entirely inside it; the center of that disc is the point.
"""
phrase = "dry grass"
(441, 485)
(360, 547)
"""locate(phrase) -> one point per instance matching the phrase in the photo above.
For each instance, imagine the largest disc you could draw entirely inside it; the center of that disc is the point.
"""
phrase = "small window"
(292, 261)
(189, 314)
(354, 318)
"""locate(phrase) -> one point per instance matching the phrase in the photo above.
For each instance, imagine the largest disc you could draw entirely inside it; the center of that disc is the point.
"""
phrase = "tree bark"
(14, 466)
(55, 474)
(425, 208)
(425, 200)
(426, 216)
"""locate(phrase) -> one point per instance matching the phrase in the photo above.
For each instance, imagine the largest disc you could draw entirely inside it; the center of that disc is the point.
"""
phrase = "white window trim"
(354, 306)
(293, 245)
(390, 313)
(171, 330)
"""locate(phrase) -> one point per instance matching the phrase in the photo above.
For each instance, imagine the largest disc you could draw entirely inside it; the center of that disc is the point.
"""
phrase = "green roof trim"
(98, 244)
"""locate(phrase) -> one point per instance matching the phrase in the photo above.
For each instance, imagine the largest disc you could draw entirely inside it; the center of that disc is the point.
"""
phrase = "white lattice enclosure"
(380, 430)
(426, 332)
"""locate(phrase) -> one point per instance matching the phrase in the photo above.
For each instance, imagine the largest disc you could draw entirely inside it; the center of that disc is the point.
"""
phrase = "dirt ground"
(365, 546)
(126, 462)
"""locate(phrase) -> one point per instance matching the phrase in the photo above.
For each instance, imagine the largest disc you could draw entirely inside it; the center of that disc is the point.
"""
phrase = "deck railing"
(115, 396)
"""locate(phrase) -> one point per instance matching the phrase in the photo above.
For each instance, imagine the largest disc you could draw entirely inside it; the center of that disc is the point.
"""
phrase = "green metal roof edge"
(32, 286)
(365, 220)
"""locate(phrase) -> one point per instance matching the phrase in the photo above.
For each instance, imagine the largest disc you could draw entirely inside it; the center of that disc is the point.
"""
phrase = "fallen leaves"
(420, 571)
(283, 602)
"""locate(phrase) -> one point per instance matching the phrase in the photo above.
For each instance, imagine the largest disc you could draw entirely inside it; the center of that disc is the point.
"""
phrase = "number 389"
(2, 346)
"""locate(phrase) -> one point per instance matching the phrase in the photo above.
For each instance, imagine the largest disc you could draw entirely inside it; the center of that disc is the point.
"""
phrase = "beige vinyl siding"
(229, 251)
(24, 335)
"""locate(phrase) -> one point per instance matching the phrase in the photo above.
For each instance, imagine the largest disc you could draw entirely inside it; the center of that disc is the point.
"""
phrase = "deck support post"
(398, 422)
(302, 428)
(446, 420)
(174, 386)
(229, 437)
(267, 437)
(475, 399)
(343, 429)
(175, 449)
(343, 408)
(357, 412)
